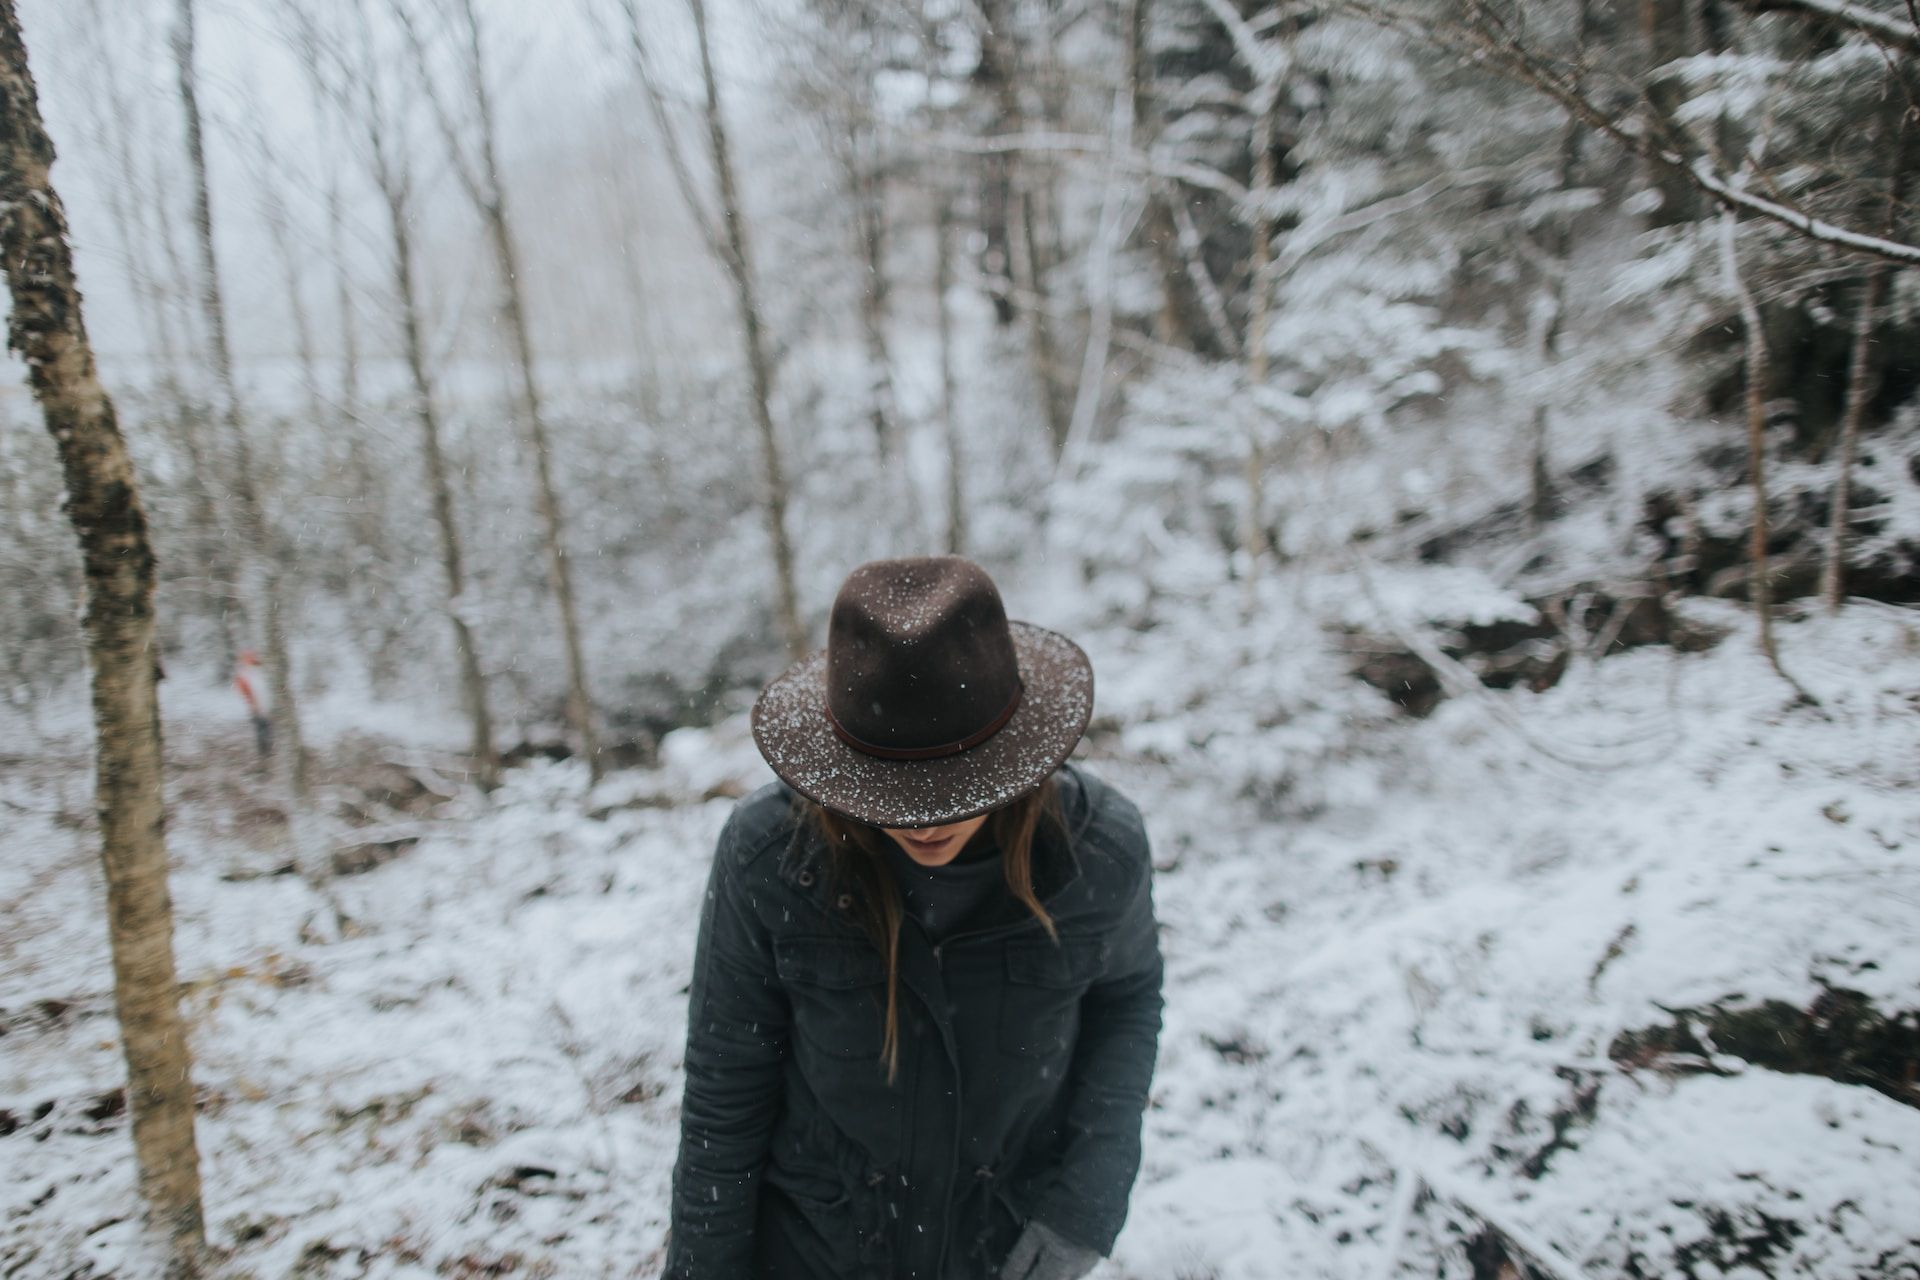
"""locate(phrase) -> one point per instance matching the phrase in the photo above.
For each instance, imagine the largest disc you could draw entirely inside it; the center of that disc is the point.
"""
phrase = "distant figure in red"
(251, 681)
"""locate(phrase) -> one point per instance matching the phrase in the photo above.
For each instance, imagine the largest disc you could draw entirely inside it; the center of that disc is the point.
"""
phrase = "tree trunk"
(126, 202)
(392, 178)
(275, 211)
(466, 646)
(1016, 253)
(1108, 236)
(1760, 576)
(379, 635)
(1030, 282)
(994, 74)
(726, 237)
(1253, 534)
(1557, 249)
(493, 211)
(1665, 28)
(103, 502)
(1863, 380)
(1177, 322)
(739, 264)
(1861, 386)
(949, 421)
(868, 189)
(1552, 321)
(289, 753)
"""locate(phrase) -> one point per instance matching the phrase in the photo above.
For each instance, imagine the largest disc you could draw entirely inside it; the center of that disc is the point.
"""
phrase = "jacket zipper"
(959, 1102)
(959, 1108)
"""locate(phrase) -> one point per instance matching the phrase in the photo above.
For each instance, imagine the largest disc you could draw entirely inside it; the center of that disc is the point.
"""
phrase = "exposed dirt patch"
(1839, 1036)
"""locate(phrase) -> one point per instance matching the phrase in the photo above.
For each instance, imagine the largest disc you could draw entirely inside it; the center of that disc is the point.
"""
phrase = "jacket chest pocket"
(1040, 1001)
(838, 988)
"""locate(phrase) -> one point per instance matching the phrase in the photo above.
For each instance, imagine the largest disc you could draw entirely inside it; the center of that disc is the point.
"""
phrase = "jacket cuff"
(1071, 1222)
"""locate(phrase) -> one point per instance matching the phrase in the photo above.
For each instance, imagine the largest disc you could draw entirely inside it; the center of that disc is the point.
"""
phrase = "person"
(251, 683)
(926, 993)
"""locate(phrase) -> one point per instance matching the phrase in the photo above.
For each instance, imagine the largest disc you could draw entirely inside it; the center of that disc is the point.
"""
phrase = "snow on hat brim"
(791, 729)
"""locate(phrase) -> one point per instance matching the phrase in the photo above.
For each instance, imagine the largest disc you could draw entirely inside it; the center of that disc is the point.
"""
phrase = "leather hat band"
(973, 739)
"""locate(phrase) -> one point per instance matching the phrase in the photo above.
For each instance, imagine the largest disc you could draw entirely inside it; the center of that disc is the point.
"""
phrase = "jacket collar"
(1057, 863)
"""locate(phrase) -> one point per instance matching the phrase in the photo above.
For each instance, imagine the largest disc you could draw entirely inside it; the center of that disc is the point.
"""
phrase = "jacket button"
(845, 901)
(805, 878)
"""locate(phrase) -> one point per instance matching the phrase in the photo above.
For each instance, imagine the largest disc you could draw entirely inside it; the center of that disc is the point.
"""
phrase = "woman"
(926, 990)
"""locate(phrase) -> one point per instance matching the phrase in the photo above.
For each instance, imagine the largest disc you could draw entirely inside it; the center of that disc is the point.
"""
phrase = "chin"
(935, 856)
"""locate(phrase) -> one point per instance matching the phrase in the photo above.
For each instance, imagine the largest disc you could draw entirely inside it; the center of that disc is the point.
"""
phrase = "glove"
(1041, 1253)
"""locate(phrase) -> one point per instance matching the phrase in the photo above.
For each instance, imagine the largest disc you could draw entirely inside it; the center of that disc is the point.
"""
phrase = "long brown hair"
(856, 860)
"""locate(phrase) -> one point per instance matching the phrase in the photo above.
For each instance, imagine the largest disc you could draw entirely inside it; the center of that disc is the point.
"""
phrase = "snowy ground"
(1389, 1023)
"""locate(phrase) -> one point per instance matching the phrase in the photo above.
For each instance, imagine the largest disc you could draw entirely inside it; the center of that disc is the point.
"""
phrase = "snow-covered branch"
(1131, 159)
(1870, 23)
(1529, 66)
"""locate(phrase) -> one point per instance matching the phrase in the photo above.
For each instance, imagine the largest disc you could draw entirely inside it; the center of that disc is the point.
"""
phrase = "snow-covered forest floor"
(1625, 1009)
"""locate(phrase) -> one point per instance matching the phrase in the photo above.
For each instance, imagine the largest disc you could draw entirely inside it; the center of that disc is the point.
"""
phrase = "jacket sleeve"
(1107, 1082)
(737, 1026)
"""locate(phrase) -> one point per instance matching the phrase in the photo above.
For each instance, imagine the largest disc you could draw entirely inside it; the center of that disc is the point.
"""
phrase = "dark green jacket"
(1024, 1065)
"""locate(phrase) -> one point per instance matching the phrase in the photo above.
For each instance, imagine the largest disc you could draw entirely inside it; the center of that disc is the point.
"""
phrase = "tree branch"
(1529, 67)
(1871, 23)
(1133, 160)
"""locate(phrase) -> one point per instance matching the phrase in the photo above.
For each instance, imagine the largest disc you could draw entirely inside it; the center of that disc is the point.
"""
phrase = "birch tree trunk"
(289, 753)
(46, 329)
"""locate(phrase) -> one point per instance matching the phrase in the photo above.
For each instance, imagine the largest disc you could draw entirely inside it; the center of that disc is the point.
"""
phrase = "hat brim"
(791, 730)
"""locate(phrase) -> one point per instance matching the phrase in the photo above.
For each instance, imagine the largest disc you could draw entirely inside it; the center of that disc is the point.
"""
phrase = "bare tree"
(1267, 63)
(46, 329)
(1179, 321)
(728, 242)
(476, 162)
(949, 420)
(1016, 256)
(1253, 534)
(151, 263)
(1756, 377)
(255, 529)
(1882, 28)
(1862, 382)
(1862, 373)
(1488, 38)
(370, 485)
(1550, 305)
(356, 90)
(837, 58)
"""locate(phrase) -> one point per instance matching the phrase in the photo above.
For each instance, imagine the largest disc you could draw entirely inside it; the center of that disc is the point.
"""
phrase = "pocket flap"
(1075, 962)
(828, 962)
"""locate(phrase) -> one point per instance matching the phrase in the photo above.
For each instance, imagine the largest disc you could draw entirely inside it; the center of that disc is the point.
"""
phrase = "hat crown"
(919, 654)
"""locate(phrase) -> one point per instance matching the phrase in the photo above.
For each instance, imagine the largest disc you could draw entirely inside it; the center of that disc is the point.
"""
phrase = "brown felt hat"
(928, 705)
